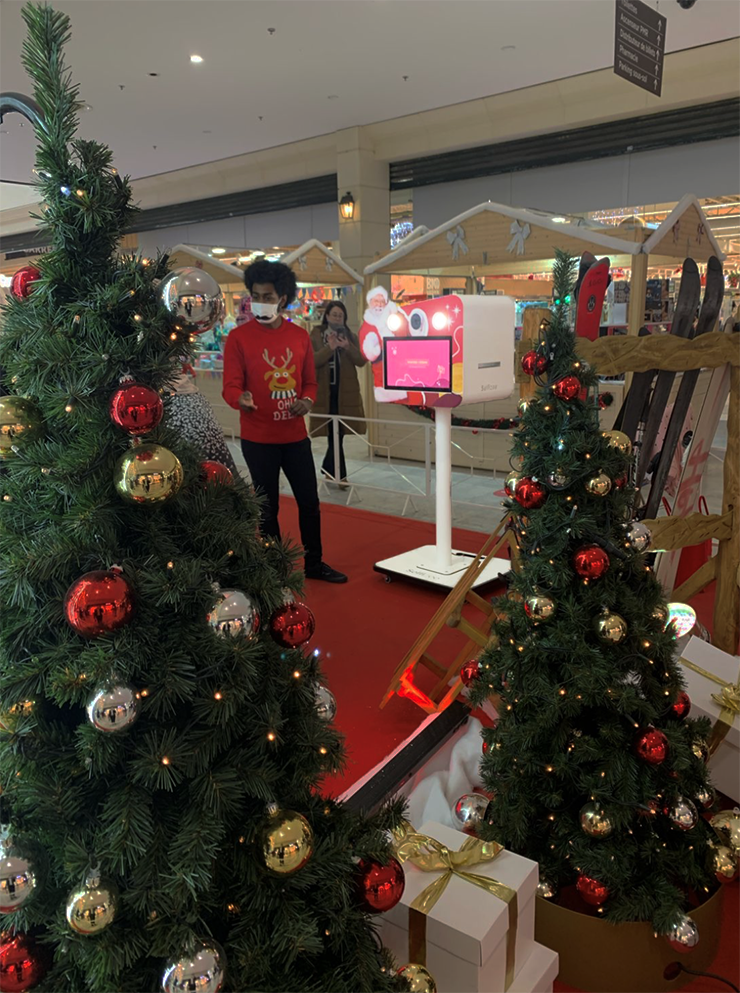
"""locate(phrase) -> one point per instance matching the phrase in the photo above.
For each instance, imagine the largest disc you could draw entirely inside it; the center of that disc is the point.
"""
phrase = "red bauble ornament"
(533, 364)
(651, 808)
(591, 891)
(216, 472)
(530, 494)
(651, 746)
(98, 603)
(470, 672)
(567, 388)
(292, 625)
(591, 562)
(380, 886)
(22, 283)
(620, 482)
(22, 963)
(136, 408)
(681, 705)
(485, 747)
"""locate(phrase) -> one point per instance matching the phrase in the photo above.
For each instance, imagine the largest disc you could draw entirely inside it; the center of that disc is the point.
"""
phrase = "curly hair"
(281, 276)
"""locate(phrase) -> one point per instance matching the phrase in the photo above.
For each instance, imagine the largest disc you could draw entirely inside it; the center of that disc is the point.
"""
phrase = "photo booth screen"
(418, 364)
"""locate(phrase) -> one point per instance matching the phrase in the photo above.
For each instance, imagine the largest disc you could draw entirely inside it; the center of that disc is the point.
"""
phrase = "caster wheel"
(389, 579)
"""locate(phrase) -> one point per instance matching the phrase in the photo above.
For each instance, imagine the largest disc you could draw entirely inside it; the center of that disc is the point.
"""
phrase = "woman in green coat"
(338, 357)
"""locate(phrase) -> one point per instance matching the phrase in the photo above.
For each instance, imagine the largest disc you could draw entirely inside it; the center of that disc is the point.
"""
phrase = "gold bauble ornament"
(700, 750)
(93, 907)
(724, 864)
(610, 627)
(727, 826)
(286, 841)
(418, 978)
(599, 485)
(20, 420)
(539, 608)
(11, 718)
(202, 970)
(594, 821)
(619, 440)
(660, 614)
(525, 404)
(148, 474)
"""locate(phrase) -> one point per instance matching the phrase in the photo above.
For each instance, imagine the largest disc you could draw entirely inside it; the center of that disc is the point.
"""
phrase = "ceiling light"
(219, 251)
(559, 220)
(196, 58)
(245, 258)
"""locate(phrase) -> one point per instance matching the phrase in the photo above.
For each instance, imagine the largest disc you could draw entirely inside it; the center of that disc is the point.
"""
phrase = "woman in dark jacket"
(338, 357)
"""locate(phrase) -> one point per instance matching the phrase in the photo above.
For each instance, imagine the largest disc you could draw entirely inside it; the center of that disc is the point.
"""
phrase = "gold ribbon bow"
(430, 855)
(728, 700)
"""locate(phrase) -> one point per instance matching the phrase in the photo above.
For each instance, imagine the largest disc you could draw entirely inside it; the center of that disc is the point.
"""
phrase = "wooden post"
(636, 309)
(726, 606)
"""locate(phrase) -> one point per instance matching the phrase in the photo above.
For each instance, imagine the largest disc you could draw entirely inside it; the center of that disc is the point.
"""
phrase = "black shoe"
(326, 573)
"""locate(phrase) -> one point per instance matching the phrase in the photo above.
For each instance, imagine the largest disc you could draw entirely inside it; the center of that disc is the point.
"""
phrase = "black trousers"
(296, 461)
(328, 463)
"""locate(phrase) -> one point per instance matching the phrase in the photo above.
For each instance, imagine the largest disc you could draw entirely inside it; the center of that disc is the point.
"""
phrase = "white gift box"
(538, 972)
(466, 930)
(724, 763)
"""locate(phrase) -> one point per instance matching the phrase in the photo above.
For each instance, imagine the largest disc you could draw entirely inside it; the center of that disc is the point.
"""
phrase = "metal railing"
(411, 479)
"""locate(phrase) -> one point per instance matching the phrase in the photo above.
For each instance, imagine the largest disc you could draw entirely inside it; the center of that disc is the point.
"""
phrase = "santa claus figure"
(382, 319)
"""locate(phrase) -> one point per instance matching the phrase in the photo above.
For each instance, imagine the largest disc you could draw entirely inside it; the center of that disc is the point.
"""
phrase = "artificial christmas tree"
(595, 769)
(160, 752)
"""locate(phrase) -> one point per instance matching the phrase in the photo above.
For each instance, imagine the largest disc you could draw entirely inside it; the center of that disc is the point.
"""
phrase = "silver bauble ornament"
(546, 889)
(234, 615)
(683, 936)
(705, 798)
(639, 536)
(326, 703)
(683, 814)
(557, 480)
(594, 821)
(469, 811)
(93, 907)
(17, 880)
(193, 300)
(200, 972)
(113, 708)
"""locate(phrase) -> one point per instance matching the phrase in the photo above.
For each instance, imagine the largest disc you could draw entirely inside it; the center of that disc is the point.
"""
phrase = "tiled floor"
(397, 488)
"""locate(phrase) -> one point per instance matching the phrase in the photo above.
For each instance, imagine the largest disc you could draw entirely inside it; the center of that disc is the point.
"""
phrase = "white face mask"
(265, 312)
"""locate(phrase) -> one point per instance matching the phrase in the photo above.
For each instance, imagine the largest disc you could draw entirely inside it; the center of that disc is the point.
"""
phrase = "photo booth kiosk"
(440, 353)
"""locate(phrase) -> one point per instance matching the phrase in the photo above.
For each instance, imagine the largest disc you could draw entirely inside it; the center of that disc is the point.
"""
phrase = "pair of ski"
(645, 404)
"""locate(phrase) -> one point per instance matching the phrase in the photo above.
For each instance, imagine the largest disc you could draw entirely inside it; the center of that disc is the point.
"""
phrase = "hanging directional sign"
(639, 45)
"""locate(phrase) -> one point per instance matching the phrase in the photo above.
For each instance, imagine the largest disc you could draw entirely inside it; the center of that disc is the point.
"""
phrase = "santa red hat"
(377, 291)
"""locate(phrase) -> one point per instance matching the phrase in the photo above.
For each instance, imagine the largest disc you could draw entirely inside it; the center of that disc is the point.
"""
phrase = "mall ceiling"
(275, 71)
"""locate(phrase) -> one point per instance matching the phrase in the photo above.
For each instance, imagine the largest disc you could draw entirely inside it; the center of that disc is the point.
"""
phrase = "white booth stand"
(440, 353)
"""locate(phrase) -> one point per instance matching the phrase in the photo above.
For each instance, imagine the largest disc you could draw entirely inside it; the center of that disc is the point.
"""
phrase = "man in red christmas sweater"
(270, 378)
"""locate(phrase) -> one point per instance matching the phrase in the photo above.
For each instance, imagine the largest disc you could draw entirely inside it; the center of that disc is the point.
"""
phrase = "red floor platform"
(366, 627)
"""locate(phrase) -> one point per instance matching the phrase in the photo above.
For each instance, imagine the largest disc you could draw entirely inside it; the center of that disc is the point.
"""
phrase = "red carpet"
(365, 628)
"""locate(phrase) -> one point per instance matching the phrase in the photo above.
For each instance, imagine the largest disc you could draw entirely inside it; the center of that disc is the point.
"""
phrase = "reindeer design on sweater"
(282, 384)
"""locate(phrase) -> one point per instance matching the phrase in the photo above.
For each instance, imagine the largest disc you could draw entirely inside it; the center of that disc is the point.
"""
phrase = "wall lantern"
(347, 206)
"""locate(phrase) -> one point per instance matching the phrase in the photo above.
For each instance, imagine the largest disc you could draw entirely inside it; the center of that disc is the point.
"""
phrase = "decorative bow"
(520, 233)
(728, 700)
(303, 263)
(676, 230)
(456, 239)
(329, 264)
(700, 232)
(431, 855)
